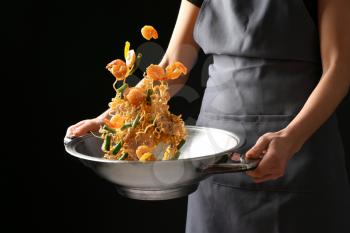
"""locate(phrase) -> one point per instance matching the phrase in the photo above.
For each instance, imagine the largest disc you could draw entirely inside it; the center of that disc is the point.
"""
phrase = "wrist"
(295, 137)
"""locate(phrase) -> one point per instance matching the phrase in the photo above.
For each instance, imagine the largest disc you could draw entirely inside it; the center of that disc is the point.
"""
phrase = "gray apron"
(266, 64)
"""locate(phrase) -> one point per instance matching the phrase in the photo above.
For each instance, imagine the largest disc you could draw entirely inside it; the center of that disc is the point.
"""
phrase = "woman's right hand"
(83, 127)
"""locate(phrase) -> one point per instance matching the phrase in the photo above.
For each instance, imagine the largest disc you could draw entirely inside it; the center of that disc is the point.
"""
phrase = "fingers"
(259, 148)
(82, 128)
(274, 150)
(70, 130)
(89, 125)
(265, 178)
(269, 168)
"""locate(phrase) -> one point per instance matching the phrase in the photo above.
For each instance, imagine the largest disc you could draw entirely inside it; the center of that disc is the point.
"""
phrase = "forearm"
(182, 46)
(323, 101)
(335, 81)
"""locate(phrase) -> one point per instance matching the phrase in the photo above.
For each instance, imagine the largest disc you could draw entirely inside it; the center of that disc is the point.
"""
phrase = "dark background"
(69, 43)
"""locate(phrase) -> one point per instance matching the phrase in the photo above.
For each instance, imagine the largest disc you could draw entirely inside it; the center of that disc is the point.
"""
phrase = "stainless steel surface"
(161, 180)
(156, 195)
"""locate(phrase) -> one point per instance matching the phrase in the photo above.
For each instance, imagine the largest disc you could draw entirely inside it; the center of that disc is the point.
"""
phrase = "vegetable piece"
(146, 156)
(148, 97)
(177, 155)
(136, 121)
(126, 49)
(117, 148)
(168, 153)
(130, 59)
(137, 63)
(182, 142)
(107, 143)
(123, 156)
(126, 125)
(141, 150)
(109, 129)
(122, 88)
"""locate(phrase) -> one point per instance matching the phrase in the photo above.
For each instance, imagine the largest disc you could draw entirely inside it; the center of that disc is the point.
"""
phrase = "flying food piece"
(139, 121)
(149, 32)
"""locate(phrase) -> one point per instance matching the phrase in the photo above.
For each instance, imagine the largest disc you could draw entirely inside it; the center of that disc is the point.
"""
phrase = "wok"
(207, 151)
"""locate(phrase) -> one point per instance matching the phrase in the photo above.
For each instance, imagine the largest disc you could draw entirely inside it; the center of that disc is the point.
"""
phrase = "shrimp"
(118, 68)
(135, 96)
(156, 72)
(175, 70)
(117, 121)
(149, 32)
(139, 118)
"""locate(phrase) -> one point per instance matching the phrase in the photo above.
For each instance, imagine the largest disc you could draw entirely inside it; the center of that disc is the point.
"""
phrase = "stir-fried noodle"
(140, 122)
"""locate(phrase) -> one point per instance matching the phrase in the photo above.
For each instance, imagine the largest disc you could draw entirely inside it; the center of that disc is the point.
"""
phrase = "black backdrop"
(71, 42)
(76, 39)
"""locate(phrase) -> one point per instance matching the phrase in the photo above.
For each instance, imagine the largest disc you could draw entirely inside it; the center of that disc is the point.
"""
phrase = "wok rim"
(74, 141)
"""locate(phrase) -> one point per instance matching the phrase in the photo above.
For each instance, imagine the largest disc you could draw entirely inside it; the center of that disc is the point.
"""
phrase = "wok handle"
(238, 163)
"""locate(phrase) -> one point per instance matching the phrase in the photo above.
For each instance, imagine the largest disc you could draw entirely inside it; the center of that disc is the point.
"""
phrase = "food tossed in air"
(140, 125)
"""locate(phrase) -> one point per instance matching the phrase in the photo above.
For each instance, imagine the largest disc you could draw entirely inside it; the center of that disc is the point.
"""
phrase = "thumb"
(259, 148)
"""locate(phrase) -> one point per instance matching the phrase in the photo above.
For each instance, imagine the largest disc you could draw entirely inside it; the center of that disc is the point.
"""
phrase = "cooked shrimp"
(156, 72)
(135, 96)
(140, 117)
(118, 68)
(108, 123)
(175, 70)
(149, 32)
(117, 121)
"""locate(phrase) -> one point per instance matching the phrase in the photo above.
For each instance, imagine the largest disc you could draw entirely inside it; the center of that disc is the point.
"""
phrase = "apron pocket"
(249, 128)
(315, 166)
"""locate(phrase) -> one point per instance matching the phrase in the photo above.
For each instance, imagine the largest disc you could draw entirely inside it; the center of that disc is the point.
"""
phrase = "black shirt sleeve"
(196, 2)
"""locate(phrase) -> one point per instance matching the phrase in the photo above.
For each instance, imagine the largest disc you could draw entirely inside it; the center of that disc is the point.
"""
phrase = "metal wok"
(206, 151)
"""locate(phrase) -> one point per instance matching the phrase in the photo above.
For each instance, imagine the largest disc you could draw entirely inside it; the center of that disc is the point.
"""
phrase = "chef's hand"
(274, 149)
(83, 127)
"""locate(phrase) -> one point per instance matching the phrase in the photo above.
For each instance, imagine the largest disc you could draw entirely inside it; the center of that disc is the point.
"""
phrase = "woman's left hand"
(274, 149)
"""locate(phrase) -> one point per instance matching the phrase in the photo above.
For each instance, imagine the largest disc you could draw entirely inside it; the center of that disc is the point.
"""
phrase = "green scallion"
(117, 148)
(107, 143)
(125, 126)
(123, 156)
(136, 121)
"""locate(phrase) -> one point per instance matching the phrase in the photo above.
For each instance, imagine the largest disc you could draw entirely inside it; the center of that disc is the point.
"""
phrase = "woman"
(277, 77)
